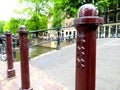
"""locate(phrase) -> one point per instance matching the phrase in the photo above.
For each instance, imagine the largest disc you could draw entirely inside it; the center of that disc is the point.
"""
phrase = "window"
(66, 33)
(111, 17)
(70, 33)
(101, 32)
(118, 29)
(101, 29)
(118, 16)
(106, 31)
(113, 29)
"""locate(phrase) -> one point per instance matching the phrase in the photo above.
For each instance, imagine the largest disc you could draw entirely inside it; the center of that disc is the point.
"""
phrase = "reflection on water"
(37, 50)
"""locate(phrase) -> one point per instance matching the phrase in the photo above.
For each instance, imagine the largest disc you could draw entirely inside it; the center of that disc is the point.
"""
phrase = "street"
(60, 65)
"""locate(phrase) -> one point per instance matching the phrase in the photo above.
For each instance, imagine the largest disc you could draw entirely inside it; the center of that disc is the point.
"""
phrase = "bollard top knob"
(87, 10)
(22, 27)
(88, 14)
(7, 32)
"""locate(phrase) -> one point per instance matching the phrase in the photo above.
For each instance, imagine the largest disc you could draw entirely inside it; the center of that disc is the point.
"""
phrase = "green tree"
(38, 12)
(103, 6)
(36, 22)
(1, 26)
(69, 8)
(13, 25)
(36, 6)
(6, 26)
(64, 9)
(57, 18)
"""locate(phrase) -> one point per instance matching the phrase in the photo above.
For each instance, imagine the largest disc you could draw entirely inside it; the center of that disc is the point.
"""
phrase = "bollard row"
(86, 25)
(25, 78)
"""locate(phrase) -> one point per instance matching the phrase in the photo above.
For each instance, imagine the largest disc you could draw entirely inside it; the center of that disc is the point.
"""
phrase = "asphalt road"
(60, 65)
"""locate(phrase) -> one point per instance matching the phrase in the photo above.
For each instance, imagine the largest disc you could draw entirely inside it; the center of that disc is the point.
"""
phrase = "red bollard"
(86, 25)
(25, 78)
(10, 69)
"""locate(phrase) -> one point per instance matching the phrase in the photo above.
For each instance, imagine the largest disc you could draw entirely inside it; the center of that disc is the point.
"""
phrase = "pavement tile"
(38, 80)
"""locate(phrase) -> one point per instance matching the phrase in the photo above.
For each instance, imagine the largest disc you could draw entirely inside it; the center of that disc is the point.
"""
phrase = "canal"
(38, 50)
(35, 51)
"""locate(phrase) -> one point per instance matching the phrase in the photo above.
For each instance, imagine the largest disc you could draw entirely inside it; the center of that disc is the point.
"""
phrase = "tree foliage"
(69, 8)
(1, 26)
(36, 22)
(103, 5)
(65, 9)
(35, 6)
(38, 12)
(13, 25)
(57, 16)
(6, 26)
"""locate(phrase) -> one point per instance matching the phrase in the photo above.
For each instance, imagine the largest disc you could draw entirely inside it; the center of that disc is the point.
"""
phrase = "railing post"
(25, 78)
(10, 68)
(86, 25)
(58, 38)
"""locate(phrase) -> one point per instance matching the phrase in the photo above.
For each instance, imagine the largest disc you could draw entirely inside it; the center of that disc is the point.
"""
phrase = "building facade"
(68, 32)
(111, 26)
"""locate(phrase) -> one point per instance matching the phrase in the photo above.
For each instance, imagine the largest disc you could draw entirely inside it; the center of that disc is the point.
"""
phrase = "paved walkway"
(60, 65)
(39, 80)
(56, 70)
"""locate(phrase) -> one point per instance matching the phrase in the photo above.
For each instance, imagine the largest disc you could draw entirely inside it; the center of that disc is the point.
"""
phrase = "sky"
(6, 8)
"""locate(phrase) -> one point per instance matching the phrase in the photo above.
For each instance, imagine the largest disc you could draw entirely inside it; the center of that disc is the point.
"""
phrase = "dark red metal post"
(25, 78)
(10, 68)
(86, 25)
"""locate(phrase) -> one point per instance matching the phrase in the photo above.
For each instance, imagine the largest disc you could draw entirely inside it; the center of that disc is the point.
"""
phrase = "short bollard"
(86, 25)
(10, 68)
(25, 78)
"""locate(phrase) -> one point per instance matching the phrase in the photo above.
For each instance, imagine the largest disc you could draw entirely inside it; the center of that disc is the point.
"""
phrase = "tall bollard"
(86, 25)
(25, 78)
(10, 68)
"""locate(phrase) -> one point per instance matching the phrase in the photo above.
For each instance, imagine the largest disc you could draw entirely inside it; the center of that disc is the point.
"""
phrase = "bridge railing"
(56, 35)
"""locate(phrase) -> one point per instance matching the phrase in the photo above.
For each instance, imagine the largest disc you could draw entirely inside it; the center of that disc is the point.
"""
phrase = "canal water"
(35, 51)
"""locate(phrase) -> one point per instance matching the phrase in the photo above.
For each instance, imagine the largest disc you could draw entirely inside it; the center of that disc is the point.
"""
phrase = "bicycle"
(3, 56)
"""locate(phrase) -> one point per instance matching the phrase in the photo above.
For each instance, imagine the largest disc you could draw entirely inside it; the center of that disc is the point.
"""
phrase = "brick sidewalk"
(39, 81)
